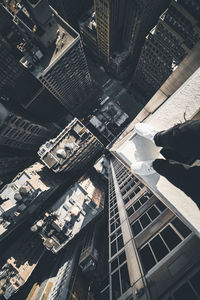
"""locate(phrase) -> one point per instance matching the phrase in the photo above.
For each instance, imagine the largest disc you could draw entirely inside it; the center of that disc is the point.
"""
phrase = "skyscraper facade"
(152, 253)
(121, 29)
(53, 53)
(168, 43)
(21, 133)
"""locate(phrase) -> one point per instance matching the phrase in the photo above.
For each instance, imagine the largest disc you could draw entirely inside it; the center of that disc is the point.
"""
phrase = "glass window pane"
(160, 205)
(170, 237)
(122, 258)
(113, 248)
(112, 237)
(182, 228)
(159, 248)
(118, 232)
(124, 278)
(130, 211)
(137, 190)
(112, 227)
(145, 220)
(137, 205)
(115, 286)
(195, 281)
(132, 195)
(120, 242)
(153, 213)
(147, 258)
(136, 228)
(114, 264)
(185, 292)
(143, 199)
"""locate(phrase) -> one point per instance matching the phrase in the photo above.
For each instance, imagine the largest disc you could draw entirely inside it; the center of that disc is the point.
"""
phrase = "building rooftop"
(60, 153)
(21, 259)
(66, 37)
(184, 103)
(21, 197)
(81, 204)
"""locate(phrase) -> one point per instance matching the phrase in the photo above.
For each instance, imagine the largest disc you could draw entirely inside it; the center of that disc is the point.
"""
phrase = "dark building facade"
(52, 54)
(16, 82)
(71, 11)
(121, 29)
(152, 253)
(19, 132)
(168, 43)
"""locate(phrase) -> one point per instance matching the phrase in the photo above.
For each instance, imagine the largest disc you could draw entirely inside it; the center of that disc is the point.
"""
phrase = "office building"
(164, 255)
(81, 204)
(121, 29)
(71, 150)
(167, 44)
(27, 192)
(53, 53)
(16, 82)
(88, 32)
(152, 253)
(21, 133)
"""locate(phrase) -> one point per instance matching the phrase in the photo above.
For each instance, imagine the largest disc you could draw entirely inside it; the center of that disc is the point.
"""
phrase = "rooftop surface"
(184, 103)
(71, 213)
(60, 152)
(65, 39)
(21, 260)
(19, 197)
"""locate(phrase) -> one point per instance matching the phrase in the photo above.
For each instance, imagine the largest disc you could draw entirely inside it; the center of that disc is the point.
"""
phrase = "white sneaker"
(146, 131)
(142, 167)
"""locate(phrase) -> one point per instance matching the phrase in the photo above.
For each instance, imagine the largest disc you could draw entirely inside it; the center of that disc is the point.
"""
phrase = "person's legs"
(183, 138)
(167, 138)
(183, 176)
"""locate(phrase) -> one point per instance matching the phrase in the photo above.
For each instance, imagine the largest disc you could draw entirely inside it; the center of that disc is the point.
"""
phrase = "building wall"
(18, 132)
(173, 38)
(69, 79)
(150, 249)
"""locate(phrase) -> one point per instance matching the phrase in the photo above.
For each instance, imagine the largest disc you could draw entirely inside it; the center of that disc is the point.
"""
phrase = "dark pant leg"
(183, 176)
(166, 138)
(182, 138)
(172, 155)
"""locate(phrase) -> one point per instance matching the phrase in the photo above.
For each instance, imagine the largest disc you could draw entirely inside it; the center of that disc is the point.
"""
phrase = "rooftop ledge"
(184, 103)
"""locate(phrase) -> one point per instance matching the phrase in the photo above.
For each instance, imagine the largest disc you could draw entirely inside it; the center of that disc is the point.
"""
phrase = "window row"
(140, 202)
(163, 243)
(147, 218)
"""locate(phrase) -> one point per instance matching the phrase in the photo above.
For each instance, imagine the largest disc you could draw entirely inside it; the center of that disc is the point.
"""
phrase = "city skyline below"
(75, 78)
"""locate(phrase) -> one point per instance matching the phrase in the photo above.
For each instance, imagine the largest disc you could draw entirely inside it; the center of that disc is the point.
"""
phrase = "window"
(137, 204)
(161, 244)
(120, 281)
(117, 242)
(143, 199)
(147, 218)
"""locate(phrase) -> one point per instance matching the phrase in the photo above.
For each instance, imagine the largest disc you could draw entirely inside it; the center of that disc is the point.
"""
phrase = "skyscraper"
(71, 150)
(20, 132)
(121, 29)
(168, 43)
(16, 82)
(53, 53)
(152, 253)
